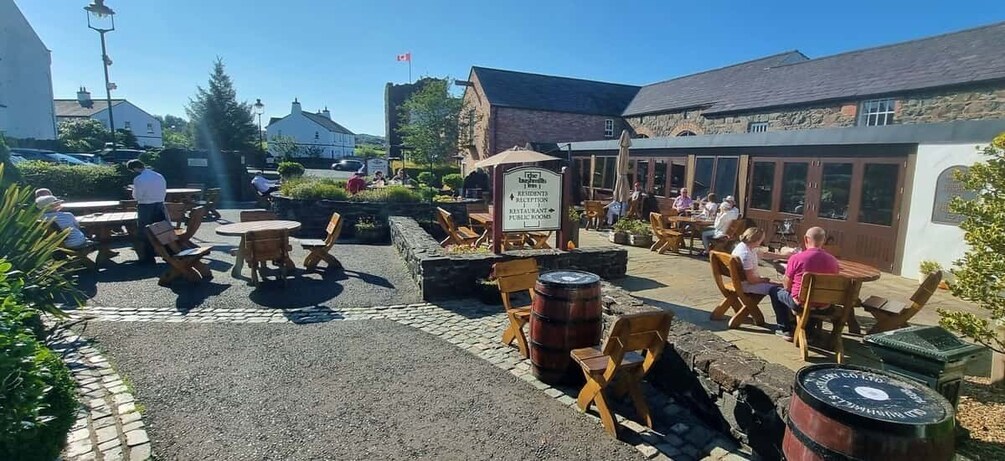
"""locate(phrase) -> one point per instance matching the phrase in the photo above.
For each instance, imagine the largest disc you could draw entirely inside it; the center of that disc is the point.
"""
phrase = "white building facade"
(26, 109)
(313, 133)
(145, 127)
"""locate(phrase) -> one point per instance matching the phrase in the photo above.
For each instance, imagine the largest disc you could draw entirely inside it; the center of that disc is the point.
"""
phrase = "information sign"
(532, 200)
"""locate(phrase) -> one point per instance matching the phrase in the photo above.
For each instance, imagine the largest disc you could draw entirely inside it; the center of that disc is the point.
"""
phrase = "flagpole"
(410, 68)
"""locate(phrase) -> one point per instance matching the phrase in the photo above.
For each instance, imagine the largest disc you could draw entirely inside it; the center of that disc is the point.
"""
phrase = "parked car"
(40, 155)
(64, 159)
(86, 158)
(15, 159)
(119, 155)
(348, 165)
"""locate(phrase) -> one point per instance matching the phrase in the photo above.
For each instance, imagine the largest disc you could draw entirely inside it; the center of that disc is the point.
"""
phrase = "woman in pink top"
(785, 299)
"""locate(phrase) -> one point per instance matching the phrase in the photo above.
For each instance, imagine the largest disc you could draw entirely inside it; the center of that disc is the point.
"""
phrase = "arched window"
(686, 133)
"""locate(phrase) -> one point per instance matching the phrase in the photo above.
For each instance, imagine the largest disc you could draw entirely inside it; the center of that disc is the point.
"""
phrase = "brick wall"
(517, 127)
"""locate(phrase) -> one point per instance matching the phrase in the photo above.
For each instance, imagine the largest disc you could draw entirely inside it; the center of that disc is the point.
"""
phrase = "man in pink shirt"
(785, 299)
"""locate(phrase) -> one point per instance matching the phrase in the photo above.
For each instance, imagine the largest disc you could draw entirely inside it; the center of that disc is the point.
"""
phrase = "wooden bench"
(184, 260)
(516, 276)
(75, 256)
(634, 345)
(320, 250)
(666, 238)
(891, 315)
(745, 304)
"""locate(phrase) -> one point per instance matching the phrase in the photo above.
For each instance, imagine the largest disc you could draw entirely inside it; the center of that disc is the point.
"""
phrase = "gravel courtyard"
(364, 389)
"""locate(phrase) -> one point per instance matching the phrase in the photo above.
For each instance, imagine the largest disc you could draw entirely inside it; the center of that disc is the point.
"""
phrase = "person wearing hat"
(356, 183)
(50, 205)
(149, 190)
(727, 214)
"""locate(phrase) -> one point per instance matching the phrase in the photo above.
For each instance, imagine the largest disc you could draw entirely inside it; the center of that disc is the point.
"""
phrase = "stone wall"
(313, 215)
(517, 127)
(440, 275)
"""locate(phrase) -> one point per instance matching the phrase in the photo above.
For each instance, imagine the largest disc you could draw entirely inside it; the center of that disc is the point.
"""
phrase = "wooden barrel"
(841, 412)
(566, 315)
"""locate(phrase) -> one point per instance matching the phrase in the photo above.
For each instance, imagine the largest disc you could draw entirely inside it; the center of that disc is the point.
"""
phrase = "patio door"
(857, 200)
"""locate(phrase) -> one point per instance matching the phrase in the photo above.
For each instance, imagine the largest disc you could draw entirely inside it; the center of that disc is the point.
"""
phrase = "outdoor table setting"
(91, 206)
(102, 227)
(485, 220)
(691, 226)
(243, 228)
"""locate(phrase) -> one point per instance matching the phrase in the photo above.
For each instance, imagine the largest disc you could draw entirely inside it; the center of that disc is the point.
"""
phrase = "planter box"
(640, 240)
(620, 238)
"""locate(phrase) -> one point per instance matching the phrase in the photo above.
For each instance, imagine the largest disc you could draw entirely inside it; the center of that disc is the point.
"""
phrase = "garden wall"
(313, 215)
(450, 276)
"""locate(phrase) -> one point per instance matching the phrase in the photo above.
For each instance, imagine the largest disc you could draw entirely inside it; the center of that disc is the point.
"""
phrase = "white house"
(314, 130)
(26, 109)
(144, 126)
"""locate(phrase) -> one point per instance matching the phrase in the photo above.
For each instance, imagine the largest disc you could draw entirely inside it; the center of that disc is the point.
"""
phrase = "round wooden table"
(90, 207)
(242, 228)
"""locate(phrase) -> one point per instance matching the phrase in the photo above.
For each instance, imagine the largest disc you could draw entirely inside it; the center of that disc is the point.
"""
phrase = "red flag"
(405, 57)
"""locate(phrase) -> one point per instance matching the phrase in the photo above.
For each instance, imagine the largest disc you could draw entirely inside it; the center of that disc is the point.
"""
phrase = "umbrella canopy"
(515, 155)
(621, 187)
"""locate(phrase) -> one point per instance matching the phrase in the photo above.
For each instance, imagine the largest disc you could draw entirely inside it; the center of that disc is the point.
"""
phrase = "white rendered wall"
(25, 79)
(303, 129)
(137, 119)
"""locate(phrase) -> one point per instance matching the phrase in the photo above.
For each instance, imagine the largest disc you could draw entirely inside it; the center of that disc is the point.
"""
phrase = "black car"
(119, 156)
(348, 165)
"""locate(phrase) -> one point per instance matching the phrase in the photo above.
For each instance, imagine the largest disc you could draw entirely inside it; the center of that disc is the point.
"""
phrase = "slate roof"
(969, 56)
(325, 122)
(72, 107)
(506, 88)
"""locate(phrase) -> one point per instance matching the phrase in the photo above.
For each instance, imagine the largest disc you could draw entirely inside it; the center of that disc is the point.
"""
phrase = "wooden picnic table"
(241, 230)
(91, 207)
(485, 220)
(102, 227)
(697, 224)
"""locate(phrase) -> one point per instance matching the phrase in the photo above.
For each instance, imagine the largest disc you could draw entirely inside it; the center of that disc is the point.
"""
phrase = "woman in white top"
(711, 206)
(50, 205)
(727, 214)
(746, 250)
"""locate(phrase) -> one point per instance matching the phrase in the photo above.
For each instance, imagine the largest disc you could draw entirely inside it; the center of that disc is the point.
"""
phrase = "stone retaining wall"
(450, 276)
(313, 215)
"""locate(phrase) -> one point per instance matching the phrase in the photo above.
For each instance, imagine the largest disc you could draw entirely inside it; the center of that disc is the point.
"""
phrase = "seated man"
(263, 186)
(51, 207)
(356, 183)
(727, 214)
(785, 299)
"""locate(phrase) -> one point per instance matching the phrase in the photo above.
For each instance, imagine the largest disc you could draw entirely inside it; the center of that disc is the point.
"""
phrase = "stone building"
(394, 97)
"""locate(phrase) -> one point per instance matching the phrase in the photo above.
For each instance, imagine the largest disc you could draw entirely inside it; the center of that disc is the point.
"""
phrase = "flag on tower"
(405, 57)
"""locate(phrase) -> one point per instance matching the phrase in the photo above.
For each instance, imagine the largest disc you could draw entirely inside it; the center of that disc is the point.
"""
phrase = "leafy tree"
(219, 121)
(176, 132)
(284, 147)
(980, 273)
(82, 135)
(126, 138)
(431, 122)
(368, 151)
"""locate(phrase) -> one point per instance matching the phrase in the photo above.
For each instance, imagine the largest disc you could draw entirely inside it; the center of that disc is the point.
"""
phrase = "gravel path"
(338, 390)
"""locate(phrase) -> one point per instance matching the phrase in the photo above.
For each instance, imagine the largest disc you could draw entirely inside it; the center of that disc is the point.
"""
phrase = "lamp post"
(258, 109)
(459, 157)
(101, 18)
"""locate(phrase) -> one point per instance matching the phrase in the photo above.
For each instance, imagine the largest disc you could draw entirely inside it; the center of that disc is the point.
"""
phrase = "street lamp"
(101, 18)
(258, 108)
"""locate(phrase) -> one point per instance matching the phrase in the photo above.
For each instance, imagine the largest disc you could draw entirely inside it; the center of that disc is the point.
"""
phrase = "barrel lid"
(849, 392)
(569, 278)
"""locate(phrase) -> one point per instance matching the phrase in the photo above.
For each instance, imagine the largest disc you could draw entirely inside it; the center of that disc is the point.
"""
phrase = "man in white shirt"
(727, 214)
(149, 190)
(263, 186)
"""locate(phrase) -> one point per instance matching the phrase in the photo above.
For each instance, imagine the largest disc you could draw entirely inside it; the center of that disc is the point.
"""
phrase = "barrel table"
(842, 412)
(566, 314)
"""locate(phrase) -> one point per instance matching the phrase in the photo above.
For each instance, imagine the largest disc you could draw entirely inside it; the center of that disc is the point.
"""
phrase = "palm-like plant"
(27, 244)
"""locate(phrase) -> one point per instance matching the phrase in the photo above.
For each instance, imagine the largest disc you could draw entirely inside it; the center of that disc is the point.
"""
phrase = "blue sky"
(341, 53)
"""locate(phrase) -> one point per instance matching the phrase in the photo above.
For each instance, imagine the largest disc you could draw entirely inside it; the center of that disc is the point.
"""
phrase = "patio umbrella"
(515, 155)
(621, 186)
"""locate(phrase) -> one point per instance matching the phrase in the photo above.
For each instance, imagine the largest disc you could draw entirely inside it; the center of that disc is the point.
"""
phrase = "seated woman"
(746, 250)
(710, 206)
(727, 214)
(51, 206)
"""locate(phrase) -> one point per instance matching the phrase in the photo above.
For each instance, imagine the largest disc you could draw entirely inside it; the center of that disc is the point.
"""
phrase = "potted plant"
(927, 267)
(574, 218)
(487, 291)
(641, 235)
(619, 231)
(368, 230)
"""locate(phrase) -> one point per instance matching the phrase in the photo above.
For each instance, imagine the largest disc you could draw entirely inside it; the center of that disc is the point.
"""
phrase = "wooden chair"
(184, 260)
(176, 213)
(594, 213)
(891, 315)
(634, 209)
(635, 344)
(455, 235)
(666, 238)
(513, 277)
(192, 224)
(539, 240)
(728, 241)
(257, 215)
(210, 200)
(726, 265)
(76, 256)
(840, 293)
(263, 246)
(480, 207)
(320, 249)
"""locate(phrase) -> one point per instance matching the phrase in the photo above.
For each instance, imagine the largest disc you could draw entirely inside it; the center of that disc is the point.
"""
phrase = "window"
(642, 173)
(610, 173)
(686, 133)
(715, 174)
(876, 112)
(762, 185)
(150, 128)
(835, 187)
(128, 126)
(757, 127)
(794, 187)
(879, 192)
(609, 128)
(668, 177)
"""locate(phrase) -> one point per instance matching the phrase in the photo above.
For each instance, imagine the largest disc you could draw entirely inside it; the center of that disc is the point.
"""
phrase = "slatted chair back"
(656, 222)
(594, 208)
(723, 266)
(446, 221)
(194, 222)
(176, 212)
(672, 212)
(333, 230)
(744, 304)
(164, 238)
(515, 276)
(210, 200)
(925, 290)
(820, 289)
(266, 245)
(257, 215)
(826, 289)
(644, 332)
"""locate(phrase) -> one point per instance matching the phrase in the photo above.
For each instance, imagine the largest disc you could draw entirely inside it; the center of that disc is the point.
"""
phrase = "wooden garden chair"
(184, 260)
(480, 207)
(513, 277)
(745, 304)
(891, 315)
(666, 238)
(455, 235)
(210, 200)
(263, 246)
(840, 293)
(320, 249)
(257, 215)
(176, 213)
(594, 211)
(634, 345)
(192, 224)
(728, 241)
(539, 240)
(76, 256)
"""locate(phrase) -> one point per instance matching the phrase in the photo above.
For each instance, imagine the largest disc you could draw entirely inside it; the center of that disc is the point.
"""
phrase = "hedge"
(77, 182)
(290, 169)
(334, 189)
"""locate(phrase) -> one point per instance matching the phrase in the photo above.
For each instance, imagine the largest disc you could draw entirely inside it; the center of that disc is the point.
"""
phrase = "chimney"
(84, 97)
(328, 115)
(296, 106)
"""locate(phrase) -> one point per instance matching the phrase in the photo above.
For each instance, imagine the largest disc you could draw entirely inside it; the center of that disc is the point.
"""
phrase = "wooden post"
(565, 231)
(998, 363)
(497, 211)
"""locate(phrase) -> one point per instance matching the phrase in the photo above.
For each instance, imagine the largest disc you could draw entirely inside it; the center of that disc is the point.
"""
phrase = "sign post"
(527, 199)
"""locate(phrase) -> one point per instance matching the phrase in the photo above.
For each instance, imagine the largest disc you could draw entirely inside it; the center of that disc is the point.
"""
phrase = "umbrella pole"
(497, 204)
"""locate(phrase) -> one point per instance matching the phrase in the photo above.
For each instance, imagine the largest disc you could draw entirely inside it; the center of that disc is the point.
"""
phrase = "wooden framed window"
(876, 112)
(609, 128)
(757, 127)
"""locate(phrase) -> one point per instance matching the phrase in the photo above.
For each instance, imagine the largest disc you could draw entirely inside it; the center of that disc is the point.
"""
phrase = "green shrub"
(390, 194)
(438, 170)
(427, 178)
(13, 175)
(77, 182)
(315, 190)
(290, 169)
(453, 180)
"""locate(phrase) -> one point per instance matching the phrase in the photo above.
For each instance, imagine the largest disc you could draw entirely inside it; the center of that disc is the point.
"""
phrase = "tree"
(220, 122)
(176, 132)
(431, 121)
(83, 135)
(284, 147)
(980, 273)
(125, 138)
